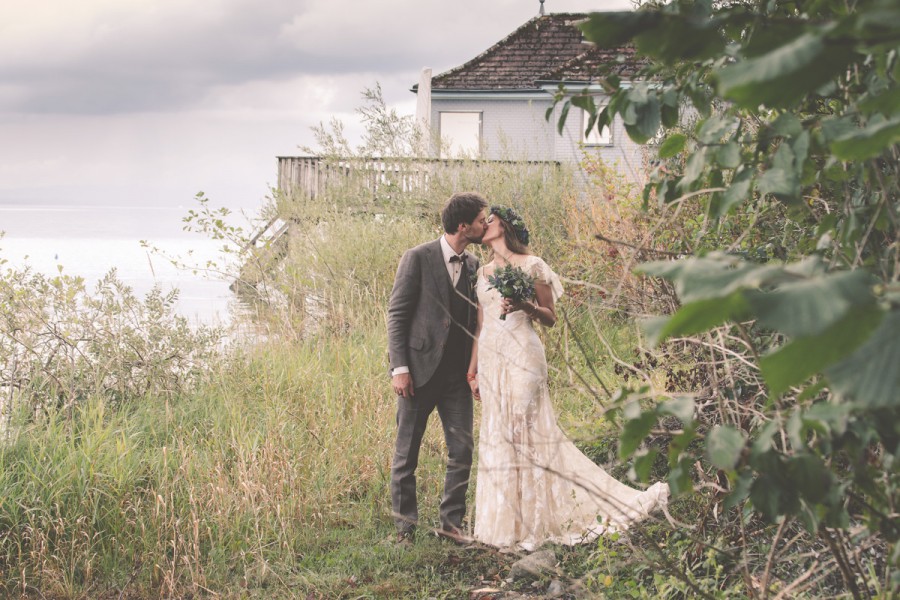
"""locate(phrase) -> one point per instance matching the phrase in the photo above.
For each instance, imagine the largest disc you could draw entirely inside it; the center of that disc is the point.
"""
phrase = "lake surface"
(89, 240)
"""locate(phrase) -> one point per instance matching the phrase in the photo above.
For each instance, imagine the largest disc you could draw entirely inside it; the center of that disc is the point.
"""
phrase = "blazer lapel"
(442, 281)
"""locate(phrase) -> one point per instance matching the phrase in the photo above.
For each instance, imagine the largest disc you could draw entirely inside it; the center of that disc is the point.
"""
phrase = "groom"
(431, 320)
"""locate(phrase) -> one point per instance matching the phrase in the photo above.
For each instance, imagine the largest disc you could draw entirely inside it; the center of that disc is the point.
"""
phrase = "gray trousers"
(451, 395)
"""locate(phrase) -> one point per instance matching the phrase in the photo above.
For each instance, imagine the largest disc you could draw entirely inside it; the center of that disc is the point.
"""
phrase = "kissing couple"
(452, 337)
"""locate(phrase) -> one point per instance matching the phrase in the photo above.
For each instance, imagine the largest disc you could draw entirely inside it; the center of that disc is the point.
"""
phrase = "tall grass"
(271, 471)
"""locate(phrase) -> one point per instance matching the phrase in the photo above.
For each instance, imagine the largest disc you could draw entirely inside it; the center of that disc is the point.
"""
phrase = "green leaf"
(809, 476)
(697, 316)
(613, 29)
(834, 416)
(634, 432)
(673, 145)
(787, 125)
(646, 119)
(887, 102)
(680, 477)
(585, 103)
(737, 192)
(784, 75)
(870, 141)
(763, 442)
(871, 375)
(741, 489)
(801, 358)
(781, 179)
(713, 129)
(694, 168)
(811, 306)
(716, 275)
(682, 37)
(643, 464)
(724, 445)
(563, 115)
(681, 407)
(729, 155)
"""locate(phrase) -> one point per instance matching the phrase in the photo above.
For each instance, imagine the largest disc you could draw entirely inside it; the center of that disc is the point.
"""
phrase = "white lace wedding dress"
(533, 485)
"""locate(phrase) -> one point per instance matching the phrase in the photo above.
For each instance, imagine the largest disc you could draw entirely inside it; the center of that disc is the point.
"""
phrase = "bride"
(533, 485)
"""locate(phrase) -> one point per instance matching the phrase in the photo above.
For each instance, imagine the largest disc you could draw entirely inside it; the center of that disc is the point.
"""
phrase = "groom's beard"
(474, 240)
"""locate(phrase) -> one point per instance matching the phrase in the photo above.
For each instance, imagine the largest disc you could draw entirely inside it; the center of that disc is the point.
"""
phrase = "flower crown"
(513, 218)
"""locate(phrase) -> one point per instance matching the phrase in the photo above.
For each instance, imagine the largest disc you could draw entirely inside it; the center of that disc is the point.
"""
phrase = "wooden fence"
(313, 177)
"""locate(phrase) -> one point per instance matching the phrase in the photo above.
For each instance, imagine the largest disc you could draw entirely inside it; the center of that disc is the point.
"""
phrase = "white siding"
(621, 153)
(511, 129)
(515, 129)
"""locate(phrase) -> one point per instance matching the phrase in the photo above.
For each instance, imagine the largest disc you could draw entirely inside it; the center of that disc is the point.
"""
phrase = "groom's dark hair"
(463, 207)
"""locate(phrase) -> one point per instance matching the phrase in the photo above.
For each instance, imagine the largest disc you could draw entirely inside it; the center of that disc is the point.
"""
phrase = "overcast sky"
(150, 101)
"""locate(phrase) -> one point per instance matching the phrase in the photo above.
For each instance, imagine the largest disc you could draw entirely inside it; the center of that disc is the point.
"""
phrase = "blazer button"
(446, 323)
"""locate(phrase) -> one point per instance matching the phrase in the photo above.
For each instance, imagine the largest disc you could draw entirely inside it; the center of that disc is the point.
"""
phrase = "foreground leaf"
(799, 359)
(871, 375)
(724, 445)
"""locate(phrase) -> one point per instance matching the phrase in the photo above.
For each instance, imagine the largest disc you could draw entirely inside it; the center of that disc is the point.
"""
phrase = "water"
(89, 240)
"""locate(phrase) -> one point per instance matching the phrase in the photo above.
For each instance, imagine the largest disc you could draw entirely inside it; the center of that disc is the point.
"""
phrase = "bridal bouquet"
(512, 283)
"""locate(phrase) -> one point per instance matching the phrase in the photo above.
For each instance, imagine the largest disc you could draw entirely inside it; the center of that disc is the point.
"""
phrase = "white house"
(494, 106)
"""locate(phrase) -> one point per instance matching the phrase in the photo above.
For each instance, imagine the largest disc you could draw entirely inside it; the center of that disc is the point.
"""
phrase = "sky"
(147, 102)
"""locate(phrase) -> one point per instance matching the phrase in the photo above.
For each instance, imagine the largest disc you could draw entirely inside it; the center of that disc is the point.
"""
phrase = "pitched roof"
(545, 49)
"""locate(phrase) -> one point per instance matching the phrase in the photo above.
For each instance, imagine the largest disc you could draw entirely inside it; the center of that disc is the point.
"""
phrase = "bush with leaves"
(61, 343)
(791, 296)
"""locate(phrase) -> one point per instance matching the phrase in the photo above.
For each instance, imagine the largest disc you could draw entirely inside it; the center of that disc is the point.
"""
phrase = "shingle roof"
(546, 48)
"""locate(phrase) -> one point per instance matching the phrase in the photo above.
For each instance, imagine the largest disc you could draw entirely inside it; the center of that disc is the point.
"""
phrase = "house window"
(594, 137)
(460, 134)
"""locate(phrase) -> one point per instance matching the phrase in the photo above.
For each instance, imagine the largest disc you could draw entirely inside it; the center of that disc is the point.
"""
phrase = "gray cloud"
(166, 61)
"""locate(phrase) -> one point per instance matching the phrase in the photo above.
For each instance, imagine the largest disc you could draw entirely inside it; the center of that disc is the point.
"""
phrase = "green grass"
(268, 477)
(272, 477)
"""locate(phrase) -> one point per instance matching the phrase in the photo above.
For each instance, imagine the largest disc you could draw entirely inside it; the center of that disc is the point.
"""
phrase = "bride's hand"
(509, 306)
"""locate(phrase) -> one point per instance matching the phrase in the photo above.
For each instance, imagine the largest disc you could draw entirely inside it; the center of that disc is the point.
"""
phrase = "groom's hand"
(403, 385)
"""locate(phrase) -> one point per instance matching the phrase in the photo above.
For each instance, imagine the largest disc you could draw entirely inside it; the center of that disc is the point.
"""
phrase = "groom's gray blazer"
(418, 313)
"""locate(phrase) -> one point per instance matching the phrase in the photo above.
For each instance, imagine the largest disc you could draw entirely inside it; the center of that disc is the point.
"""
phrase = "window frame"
(480, 132)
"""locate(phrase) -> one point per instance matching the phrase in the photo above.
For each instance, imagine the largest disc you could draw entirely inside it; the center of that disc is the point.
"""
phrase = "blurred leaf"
(716, 275)
(887, 102)
(713, 129)
(672, 145)
(803, 357)
(809, 476)
(869, 141)
(784, 75)
(737, 192)
(680, 477)
(643, 463)
(729, 155)
(694, 168)
(696, 317)
(724, 445)
(681, 407)
(871, 375)
(682, 37)
(634, 432)
(809, 307)
(614, 29)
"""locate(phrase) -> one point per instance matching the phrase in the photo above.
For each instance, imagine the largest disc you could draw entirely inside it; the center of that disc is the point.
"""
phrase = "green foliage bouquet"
(513, 283)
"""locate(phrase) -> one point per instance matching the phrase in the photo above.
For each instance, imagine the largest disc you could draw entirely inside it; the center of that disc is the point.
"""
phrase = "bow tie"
(457, 258)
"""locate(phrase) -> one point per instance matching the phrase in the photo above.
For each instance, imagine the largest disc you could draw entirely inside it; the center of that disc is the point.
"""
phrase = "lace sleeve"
(542, 273)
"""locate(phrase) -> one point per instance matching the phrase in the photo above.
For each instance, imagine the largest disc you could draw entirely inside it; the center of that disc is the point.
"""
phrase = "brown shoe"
(454, 534)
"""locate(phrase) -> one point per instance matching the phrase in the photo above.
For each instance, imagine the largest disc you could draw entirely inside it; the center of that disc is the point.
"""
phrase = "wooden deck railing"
(313, 177)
